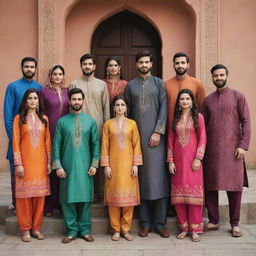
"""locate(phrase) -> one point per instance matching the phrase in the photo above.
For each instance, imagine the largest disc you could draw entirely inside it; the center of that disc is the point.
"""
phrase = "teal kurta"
(75, 149)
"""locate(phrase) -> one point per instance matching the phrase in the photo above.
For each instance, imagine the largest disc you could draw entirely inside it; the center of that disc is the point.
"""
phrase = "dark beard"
(30, 76)
(76, 109)
(144, 72)
(180, 73)
(88, 74)
(220, 85)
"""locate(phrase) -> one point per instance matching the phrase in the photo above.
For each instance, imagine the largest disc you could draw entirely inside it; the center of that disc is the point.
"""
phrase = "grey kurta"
(148, 107)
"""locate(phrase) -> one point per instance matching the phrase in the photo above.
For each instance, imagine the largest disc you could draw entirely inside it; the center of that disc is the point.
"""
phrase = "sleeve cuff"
(160, 127)
(137, 160)
(17, 158)
(56, 165)
(104, 161)
(95, 163)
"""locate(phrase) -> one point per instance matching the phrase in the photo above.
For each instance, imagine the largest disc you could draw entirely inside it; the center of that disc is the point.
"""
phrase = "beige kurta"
(96, 103)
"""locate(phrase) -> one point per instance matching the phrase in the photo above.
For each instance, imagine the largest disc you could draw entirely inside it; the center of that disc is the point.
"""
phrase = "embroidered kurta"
(184, 145)
(32, 150)
(13, 97)
(76, 148)
(227, 121)
(148, 107)
(96, 102)
(55, 105)
(121, 150)
(115, 88)
(174, 86)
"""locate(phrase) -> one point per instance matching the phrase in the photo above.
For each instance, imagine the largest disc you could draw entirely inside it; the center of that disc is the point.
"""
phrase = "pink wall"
(237, 50)
(18, 38)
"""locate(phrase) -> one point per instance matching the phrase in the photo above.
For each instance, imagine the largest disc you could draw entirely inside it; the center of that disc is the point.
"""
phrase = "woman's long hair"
(117, 97)
(178, 109)
(23, 109)
(115, 58)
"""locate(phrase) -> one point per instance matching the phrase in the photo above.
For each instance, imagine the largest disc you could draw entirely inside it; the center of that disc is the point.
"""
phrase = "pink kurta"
(184, 145)
(115, 88)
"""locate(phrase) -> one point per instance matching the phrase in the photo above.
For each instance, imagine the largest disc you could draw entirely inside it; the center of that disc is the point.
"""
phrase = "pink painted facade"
(60, 31)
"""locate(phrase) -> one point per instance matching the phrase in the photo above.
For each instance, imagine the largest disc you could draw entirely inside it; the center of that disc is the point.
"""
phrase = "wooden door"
(124, 35)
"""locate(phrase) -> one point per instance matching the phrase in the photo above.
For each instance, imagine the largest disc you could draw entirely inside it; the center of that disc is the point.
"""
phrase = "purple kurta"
(228, 128)
(55, 105)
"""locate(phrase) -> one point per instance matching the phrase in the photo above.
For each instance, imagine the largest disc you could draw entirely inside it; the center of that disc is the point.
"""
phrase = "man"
(147, 101)
(182, 81)
(228, 133)
(13, 97)
(76, 153)
(96, 104)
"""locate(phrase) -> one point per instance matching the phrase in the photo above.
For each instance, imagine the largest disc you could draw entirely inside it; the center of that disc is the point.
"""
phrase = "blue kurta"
(13, 97)
(75, 149)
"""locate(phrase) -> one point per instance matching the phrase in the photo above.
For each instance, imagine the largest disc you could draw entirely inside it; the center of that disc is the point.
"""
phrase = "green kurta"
(75, 149)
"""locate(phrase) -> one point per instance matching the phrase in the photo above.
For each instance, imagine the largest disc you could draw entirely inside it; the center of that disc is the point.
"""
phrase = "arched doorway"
(124, 35)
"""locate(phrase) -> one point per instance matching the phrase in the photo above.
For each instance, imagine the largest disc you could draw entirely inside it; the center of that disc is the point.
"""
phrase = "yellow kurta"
(120, 151)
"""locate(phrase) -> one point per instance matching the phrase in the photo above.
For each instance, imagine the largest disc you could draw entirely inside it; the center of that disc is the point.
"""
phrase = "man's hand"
(134, 171)
(154, 140)
(61, 173)
(108, 172)
(92, 171)
(20, 171)
(240, 153)
(196, 165)
(172, 168)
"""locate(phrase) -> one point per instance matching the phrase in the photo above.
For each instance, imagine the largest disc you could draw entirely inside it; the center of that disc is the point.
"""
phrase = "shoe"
(163, 233)
(38, 235)
(195, 237)
(127, 236)
(144, 232)
(67, 239)
(115, 236)
(211, 227)
(182, 235)
(88, 238)
(236, 233)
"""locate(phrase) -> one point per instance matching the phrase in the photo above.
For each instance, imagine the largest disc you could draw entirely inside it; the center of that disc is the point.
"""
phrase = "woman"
(121, 156)
(186, 145)
(113, 77)
(54, 98)
(32, 158)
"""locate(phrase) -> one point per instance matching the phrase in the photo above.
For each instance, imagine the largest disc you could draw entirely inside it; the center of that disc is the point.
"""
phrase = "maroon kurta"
(228, 127)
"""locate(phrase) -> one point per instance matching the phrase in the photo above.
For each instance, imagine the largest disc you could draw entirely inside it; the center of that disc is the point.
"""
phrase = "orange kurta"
(120, 151)
(173, 86)
(32, 149)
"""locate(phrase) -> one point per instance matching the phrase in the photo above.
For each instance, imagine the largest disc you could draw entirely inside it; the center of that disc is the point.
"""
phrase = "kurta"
(148, 107)
(32, 150)
(75, 149)
(184, 145)
(13, 97)
(96, 102)
(115, 88)
(174, 86)
(228, 127)
(121, 150)
(55, 105)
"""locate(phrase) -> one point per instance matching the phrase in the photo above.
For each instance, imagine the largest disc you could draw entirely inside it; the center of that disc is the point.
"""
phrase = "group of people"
(148, 129)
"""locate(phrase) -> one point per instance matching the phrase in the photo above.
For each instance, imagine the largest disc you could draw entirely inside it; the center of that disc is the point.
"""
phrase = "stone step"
(100, 222)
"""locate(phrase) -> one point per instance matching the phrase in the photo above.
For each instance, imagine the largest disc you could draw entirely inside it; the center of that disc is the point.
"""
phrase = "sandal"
(236, 233)
(26, 238)
(127, 236)
(115, 236)
(88, 238)
(67, 239)
(195, 237)
(182, 235)
(38, 235)
(211, 227)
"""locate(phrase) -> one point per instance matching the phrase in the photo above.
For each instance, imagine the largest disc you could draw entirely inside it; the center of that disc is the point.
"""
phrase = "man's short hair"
(144, 53)
(219, 66)
(180, 54)
(87, 56)
(75, 91)
(28, 59)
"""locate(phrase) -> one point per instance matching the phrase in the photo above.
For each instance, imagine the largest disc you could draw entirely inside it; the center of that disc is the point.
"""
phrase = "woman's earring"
(179, 107)
(37, 108)
(125, 113)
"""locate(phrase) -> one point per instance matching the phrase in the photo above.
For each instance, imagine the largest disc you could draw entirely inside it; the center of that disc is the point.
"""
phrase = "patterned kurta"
(32, 150)
(121, 150)
(96, 102)
(174, 86)
(76, 148)
(228, 127)
(148, 107)
(115, 88)
(184, 145)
